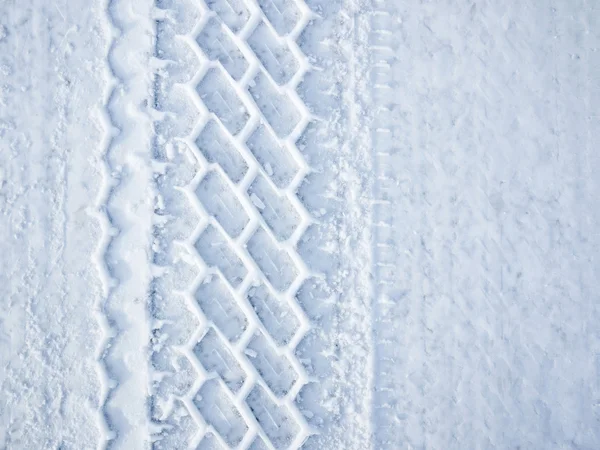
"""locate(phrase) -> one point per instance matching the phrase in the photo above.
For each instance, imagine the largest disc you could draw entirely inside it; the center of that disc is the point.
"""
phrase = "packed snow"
(284, 224)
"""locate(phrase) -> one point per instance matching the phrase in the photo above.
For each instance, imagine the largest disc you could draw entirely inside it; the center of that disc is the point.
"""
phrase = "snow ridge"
(388, 281)
(124, 213)
(337, 351)
(107, 382)
(172, 374)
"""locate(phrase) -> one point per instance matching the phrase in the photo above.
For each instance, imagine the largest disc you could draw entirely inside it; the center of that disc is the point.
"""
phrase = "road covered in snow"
(283, 224)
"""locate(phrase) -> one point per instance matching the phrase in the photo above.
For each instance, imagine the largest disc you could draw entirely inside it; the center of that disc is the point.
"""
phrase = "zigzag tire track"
(227, 217)
(125, 235)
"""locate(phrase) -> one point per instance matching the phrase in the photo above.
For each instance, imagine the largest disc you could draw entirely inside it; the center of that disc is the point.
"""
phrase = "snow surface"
(331, 224)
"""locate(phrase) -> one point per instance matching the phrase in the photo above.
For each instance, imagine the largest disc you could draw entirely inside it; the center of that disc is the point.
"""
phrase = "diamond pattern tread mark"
(219, 411)
(221, 202)
(210, 442)
(245, 225)
(276, 421)
(278, 109)
(219, 96)
(216, 252)
(273, 53)
(277, 316)
(214, 355)
(272, 155)
(283, 14)
(218, 45)
(220, 307)
(272, 366)
(232, 12)
(273, 261)
(218, 148)
(277, 210)
(258, 444)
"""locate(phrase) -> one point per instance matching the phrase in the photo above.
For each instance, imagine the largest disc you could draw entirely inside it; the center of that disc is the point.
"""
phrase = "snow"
(281, 224)
(126, 204)
(51, 162)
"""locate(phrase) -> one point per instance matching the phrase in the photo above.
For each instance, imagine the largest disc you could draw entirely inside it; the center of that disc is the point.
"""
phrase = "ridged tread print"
(227, 222)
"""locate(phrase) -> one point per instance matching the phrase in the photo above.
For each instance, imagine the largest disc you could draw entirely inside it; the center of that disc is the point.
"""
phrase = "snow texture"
(284, 224)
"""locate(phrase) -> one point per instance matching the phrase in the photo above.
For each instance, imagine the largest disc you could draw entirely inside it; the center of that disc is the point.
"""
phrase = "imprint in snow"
(277, 211)
(273, 53)
(276, 421)
(273, 156)
(218, 45)
(275, 263)
(220, 98)
(217, 147)
(277, 107)
(221, 202)
(177, 431)
(310, 401)
(232, 12)
(215, 356)
(220, 307)
(216, 252)
(258, 444)
(218, 409)
(283, 14)
(275, 314)
(273, 366)
(210, 442)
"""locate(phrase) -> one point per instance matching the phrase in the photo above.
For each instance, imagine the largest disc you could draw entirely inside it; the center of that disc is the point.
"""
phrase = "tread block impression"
(274, 158)
(312, 353)
(177, 379)
(219, 306)
(220, 98)
(219, 46)
(276, 421)
(184, 113)
(220, 201)
(215, 356)
(317, 302)
(183, 63)
(233, 13)
(219, 411)
(276, 314)
(275, 263)
(217, 147)
(216, 252)
(183, 15)
(273, 367)
(179, 432)
(277, 210)
(210, 442)
(283, 14)
(274, 53)
(258, 444)
(277, 107)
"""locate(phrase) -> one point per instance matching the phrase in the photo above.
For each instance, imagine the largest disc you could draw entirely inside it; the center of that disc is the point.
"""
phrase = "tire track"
(107, 381)
(336, 192)
(123, 215)
(228, 112)
(398, 257)
(474, 241)
(176, 422)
